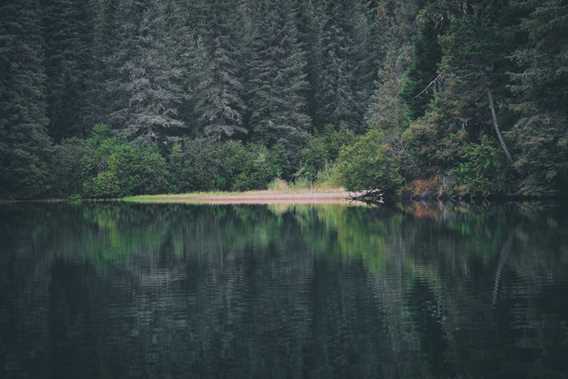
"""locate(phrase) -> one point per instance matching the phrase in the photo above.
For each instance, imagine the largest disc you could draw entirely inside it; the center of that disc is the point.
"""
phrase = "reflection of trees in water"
(327, 291)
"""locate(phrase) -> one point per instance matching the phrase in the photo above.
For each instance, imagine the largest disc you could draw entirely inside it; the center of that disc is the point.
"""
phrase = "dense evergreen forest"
(106, 98)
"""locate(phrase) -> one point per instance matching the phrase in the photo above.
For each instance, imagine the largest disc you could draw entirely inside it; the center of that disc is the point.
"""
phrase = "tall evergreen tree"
(107, 36)
(24, 143)
(423, 69)
(396, 23)
(68, 33)
(337, 98)
(540, 87)
(220, 101)
(279, 80)
(150, 83)
(366, 56)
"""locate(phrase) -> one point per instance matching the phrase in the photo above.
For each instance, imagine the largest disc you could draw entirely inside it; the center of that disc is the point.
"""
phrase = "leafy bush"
(433, 144)
(368, 164)
(278, 185)
(104, 185)
(482, 171)
(257, 171)
(67, 168)
(194, 166)
(205, 165)
(322, 151)
(111, 167)
(139, 170)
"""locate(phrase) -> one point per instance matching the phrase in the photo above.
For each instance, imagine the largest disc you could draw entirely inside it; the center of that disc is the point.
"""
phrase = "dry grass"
(292, 196)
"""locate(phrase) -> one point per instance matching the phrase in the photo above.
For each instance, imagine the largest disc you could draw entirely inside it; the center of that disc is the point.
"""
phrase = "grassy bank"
(252, 197)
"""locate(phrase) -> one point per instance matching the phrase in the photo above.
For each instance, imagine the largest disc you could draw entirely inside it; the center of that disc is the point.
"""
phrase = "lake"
(282, 291)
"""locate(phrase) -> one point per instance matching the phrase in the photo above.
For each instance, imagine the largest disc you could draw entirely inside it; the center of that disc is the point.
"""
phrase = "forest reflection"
(120, 291)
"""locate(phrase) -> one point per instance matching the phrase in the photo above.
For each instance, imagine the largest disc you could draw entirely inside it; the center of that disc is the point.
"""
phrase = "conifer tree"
(337, 98)
(150, 83)
(24, 143)
(278, 75)
(540, 88)
(68, 34)
(279, 80)
(219, 94)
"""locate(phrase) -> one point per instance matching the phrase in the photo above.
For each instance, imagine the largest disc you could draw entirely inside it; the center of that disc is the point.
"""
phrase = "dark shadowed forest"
(103, 99)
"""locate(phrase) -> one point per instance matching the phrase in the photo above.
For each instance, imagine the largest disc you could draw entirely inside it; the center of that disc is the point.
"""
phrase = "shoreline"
(251, 198)
(262, 197)
(267, 197)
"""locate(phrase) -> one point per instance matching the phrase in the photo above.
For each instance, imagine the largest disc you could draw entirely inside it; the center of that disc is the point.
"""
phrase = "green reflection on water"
(283, 291)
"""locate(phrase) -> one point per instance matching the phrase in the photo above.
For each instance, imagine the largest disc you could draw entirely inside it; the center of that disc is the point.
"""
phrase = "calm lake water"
(172, 291)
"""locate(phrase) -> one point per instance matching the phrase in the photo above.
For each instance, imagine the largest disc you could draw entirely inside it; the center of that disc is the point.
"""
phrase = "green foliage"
(68, 168)
(25, 146)
(541, 154)
(423, 68)
(322, 151)
(369, 164)
(482, 171)
(206, 165)
(105, 166)
(272, 72)
(138, 170)
(434, 144)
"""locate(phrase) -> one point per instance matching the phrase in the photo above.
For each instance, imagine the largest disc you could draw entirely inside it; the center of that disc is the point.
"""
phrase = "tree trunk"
(496, 126)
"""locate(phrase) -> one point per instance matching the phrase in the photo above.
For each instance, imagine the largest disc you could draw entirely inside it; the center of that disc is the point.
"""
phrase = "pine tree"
(68, 33)
(219, 94)
(365, 53)
(540, 86)
(311, 19)
(107, 33)
(150, 83)
(396, 21)
(423, 69)
(279, 80)
(337, 103)
(24, 143)
(542, 82)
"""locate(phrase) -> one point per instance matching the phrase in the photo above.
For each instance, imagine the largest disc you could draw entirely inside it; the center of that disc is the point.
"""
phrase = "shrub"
(429, 187)
(482, 171)
(322, 151)
(67, 168)
(368, 164)
(111, 167)
(194, 165)
(540, 151)
(257, 170)
(206, 165)
(433, 145)
(139, 170)
(104, 185)
(278, 185)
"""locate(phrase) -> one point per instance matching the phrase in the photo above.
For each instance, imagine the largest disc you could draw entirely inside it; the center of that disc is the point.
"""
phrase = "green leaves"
(104, 166)
(483, 170)
(369, 164)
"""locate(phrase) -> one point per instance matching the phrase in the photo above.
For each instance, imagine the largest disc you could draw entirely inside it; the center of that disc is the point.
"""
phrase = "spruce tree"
(150, 83)
(337, 103)
(540, 88)
(219, 101)
(387, 110)
(24, 143)
(279, 80)
(68, 34)
(107, 36)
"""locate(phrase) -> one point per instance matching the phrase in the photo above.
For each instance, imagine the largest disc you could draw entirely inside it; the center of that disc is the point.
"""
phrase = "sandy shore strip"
(254, 197)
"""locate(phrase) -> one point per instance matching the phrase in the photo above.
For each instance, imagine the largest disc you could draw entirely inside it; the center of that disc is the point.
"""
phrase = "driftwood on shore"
(375, 196)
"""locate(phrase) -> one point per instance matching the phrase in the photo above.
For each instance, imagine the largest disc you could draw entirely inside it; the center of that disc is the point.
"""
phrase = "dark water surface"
(152, 291)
